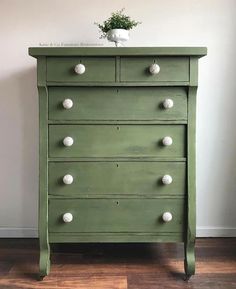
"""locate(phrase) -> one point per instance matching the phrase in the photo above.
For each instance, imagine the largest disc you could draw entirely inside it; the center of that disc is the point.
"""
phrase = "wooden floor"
(118, 266)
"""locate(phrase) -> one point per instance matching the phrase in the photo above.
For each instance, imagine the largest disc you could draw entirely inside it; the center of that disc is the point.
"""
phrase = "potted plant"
(116, 28)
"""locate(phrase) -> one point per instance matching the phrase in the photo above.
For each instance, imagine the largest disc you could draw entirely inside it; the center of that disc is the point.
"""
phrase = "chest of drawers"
(117, 146)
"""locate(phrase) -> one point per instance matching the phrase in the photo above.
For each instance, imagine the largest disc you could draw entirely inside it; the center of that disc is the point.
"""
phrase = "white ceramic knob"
(167, 217)
(67, 217)
(167, 141)
(168, 103)
(68, 179)
(68, 141)
(80, 69)
(154, 68)
(67, 103)
(167, 179)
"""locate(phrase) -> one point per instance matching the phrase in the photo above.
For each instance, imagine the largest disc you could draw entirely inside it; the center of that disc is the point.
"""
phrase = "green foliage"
(118, 20)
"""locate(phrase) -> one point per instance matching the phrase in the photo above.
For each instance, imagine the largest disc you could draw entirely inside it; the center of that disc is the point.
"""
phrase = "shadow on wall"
(19, 125)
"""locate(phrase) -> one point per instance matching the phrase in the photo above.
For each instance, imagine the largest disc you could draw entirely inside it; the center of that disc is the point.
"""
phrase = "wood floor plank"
(205, 281)
(80, 282)
(118, 266)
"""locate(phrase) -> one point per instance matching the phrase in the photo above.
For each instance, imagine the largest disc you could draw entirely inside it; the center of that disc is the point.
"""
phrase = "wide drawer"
(171, 69)
(112, 103)
(116, 215)
(117, 178)
(97, 69)
(116, 140)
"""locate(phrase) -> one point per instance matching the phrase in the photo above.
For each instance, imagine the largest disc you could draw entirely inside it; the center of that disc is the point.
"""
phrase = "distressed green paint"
(112, 103)
(121, 84)
(113, 121)
(117, 159)
(62, 69)
(116, 215)
(189, 262)
(116, 51)
(44, 262)
(136, 69)
(193, 81)
(122, 178)
(116, 237)
(117, 140)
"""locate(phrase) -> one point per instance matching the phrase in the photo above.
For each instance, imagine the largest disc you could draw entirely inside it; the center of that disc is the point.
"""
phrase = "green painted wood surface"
(44, 262)
(116, 140)
(116, 122)
(117, 159)
(112, 103)
(114, 178)
(189, 261)
(97, 69)
(116, 215)
(116, 237)
(171, 69)
(120, 84)
(117, 51)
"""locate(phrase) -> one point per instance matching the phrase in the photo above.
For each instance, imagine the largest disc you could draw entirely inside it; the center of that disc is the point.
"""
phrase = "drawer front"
(115, 178)
(96, 69)
(116, 215)
(116, 140)
(110, 103)
(171, 69)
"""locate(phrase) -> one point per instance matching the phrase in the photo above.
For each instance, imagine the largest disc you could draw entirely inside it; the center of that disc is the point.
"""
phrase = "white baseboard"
(216, 232)
(18, 232)
(33, 232)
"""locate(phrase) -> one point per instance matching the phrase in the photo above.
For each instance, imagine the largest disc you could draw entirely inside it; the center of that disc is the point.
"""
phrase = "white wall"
(208, 23)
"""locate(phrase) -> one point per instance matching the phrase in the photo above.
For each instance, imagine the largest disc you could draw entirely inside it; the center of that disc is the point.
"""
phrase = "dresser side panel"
(43, 167)
(191, 171)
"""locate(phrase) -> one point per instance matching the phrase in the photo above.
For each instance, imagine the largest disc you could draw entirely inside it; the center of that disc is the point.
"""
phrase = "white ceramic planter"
(118, 36)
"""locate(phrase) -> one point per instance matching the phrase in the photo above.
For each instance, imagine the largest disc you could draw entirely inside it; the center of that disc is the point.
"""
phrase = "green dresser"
(117, 146)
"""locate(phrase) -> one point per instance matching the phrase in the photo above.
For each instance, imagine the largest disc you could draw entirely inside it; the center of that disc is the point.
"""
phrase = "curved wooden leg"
(189, 261)
(44, 263)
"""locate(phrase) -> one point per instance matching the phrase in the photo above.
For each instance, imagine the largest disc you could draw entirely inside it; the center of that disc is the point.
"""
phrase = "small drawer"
(116, 215)
(117, 178)
(117, 103)
(94, 69)
(170, 69)
(117, 141)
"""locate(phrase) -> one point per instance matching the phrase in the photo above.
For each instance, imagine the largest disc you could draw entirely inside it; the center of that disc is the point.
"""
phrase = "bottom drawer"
(116, 215)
